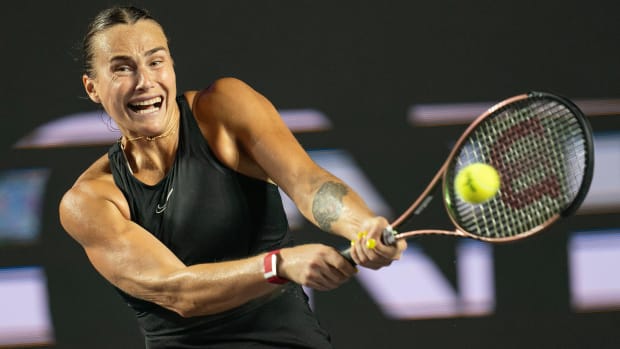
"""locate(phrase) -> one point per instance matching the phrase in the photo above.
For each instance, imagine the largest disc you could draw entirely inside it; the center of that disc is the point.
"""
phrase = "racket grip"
(388, 237)
(346, 254)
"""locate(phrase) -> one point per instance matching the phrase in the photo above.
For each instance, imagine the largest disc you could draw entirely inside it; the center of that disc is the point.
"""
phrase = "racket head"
(541, 145)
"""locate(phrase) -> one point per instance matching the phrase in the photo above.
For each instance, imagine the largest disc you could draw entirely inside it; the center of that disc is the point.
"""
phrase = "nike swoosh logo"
(162, 208)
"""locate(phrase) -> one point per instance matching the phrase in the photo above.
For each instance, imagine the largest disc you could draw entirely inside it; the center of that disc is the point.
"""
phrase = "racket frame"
(390, 235)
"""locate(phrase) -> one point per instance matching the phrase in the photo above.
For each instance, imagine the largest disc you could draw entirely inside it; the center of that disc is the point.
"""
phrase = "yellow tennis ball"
(477, 183)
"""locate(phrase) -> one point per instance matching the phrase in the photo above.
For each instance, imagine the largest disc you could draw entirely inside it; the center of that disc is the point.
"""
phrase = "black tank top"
(205, 212)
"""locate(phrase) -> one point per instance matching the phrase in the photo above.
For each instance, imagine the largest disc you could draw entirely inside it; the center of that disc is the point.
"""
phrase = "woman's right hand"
(316, 266)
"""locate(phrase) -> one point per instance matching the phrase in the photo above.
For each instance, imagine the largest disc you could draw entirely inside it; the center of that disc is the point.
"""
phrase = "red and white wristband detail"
(270, 264)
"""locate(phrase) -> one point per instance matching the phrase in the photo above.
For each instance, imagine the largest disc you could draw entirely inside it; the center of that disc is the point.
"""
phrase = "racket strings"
(539, 148)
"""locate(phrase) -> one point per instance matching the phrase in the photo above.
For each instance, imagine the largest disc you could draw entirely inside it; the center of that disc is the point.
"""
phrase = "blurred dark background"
(362, 64)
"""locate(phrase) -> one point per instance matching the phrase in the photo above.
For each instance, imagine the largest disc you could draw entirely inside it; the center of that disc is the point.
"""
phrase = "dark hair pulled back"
(104, 20)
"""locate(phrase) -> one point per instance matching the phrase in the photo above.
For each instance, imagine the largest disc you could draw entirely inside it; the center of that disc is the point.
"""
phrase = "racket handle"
(388, 237)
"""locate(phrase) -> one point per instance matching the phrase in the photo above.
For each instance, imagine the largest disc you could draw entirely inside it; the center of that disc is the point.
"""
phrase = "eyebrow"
(147, 53)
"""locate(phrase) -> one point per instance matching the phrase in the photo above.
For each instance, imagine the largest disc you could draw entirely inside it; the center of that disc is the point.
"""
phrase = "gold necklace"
(168, 132)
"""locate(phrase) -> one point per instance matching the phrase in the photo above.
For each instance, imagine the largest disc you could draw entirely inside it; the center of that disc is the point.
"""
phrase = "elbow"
(178, 303)
(173, 295)
(205, 304)
(190, 304)
(186, 308)
(180, 293)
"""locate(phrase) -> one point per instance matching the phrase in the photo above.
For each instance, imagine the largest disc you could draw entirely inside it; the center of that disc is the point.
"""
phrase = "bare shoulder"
(228, 100)
(227, 87)
(92, 191)
(244, 130)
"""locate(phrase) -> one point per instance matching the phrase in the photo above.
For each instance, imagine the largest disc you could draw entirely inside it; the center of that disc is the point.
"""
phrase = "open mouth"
(148, 106)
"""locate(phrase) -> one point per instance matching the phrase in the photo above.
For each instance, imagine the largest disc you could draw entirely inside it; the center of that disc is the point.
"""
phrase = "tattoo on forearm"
(327, 204)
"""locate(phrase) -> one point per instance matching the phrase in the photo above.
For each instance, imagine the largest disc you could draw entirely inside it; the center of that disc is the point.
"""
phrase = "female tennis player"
(183, 214)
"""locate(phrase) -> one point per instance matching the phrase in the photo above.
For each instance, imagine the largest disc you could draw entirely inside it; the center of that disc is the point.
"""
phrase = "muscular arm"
(139, 264)
(327, 205)
(95, 213)
(249, 130)
(248, 134)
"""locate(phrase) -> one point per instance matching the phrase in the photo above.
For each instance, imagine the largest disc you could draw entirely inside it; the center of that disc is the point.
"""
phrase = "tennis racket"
(541, 146)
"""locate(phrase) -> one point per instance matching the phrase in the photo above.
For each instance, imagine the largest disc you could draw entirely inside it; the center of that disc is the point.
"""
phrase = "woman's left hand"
(368, 249)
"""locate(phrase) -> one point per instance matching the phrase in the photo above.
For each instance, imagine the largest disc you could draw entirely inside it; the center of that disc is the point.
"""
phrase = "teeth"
(146, 111)
(148, 102)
